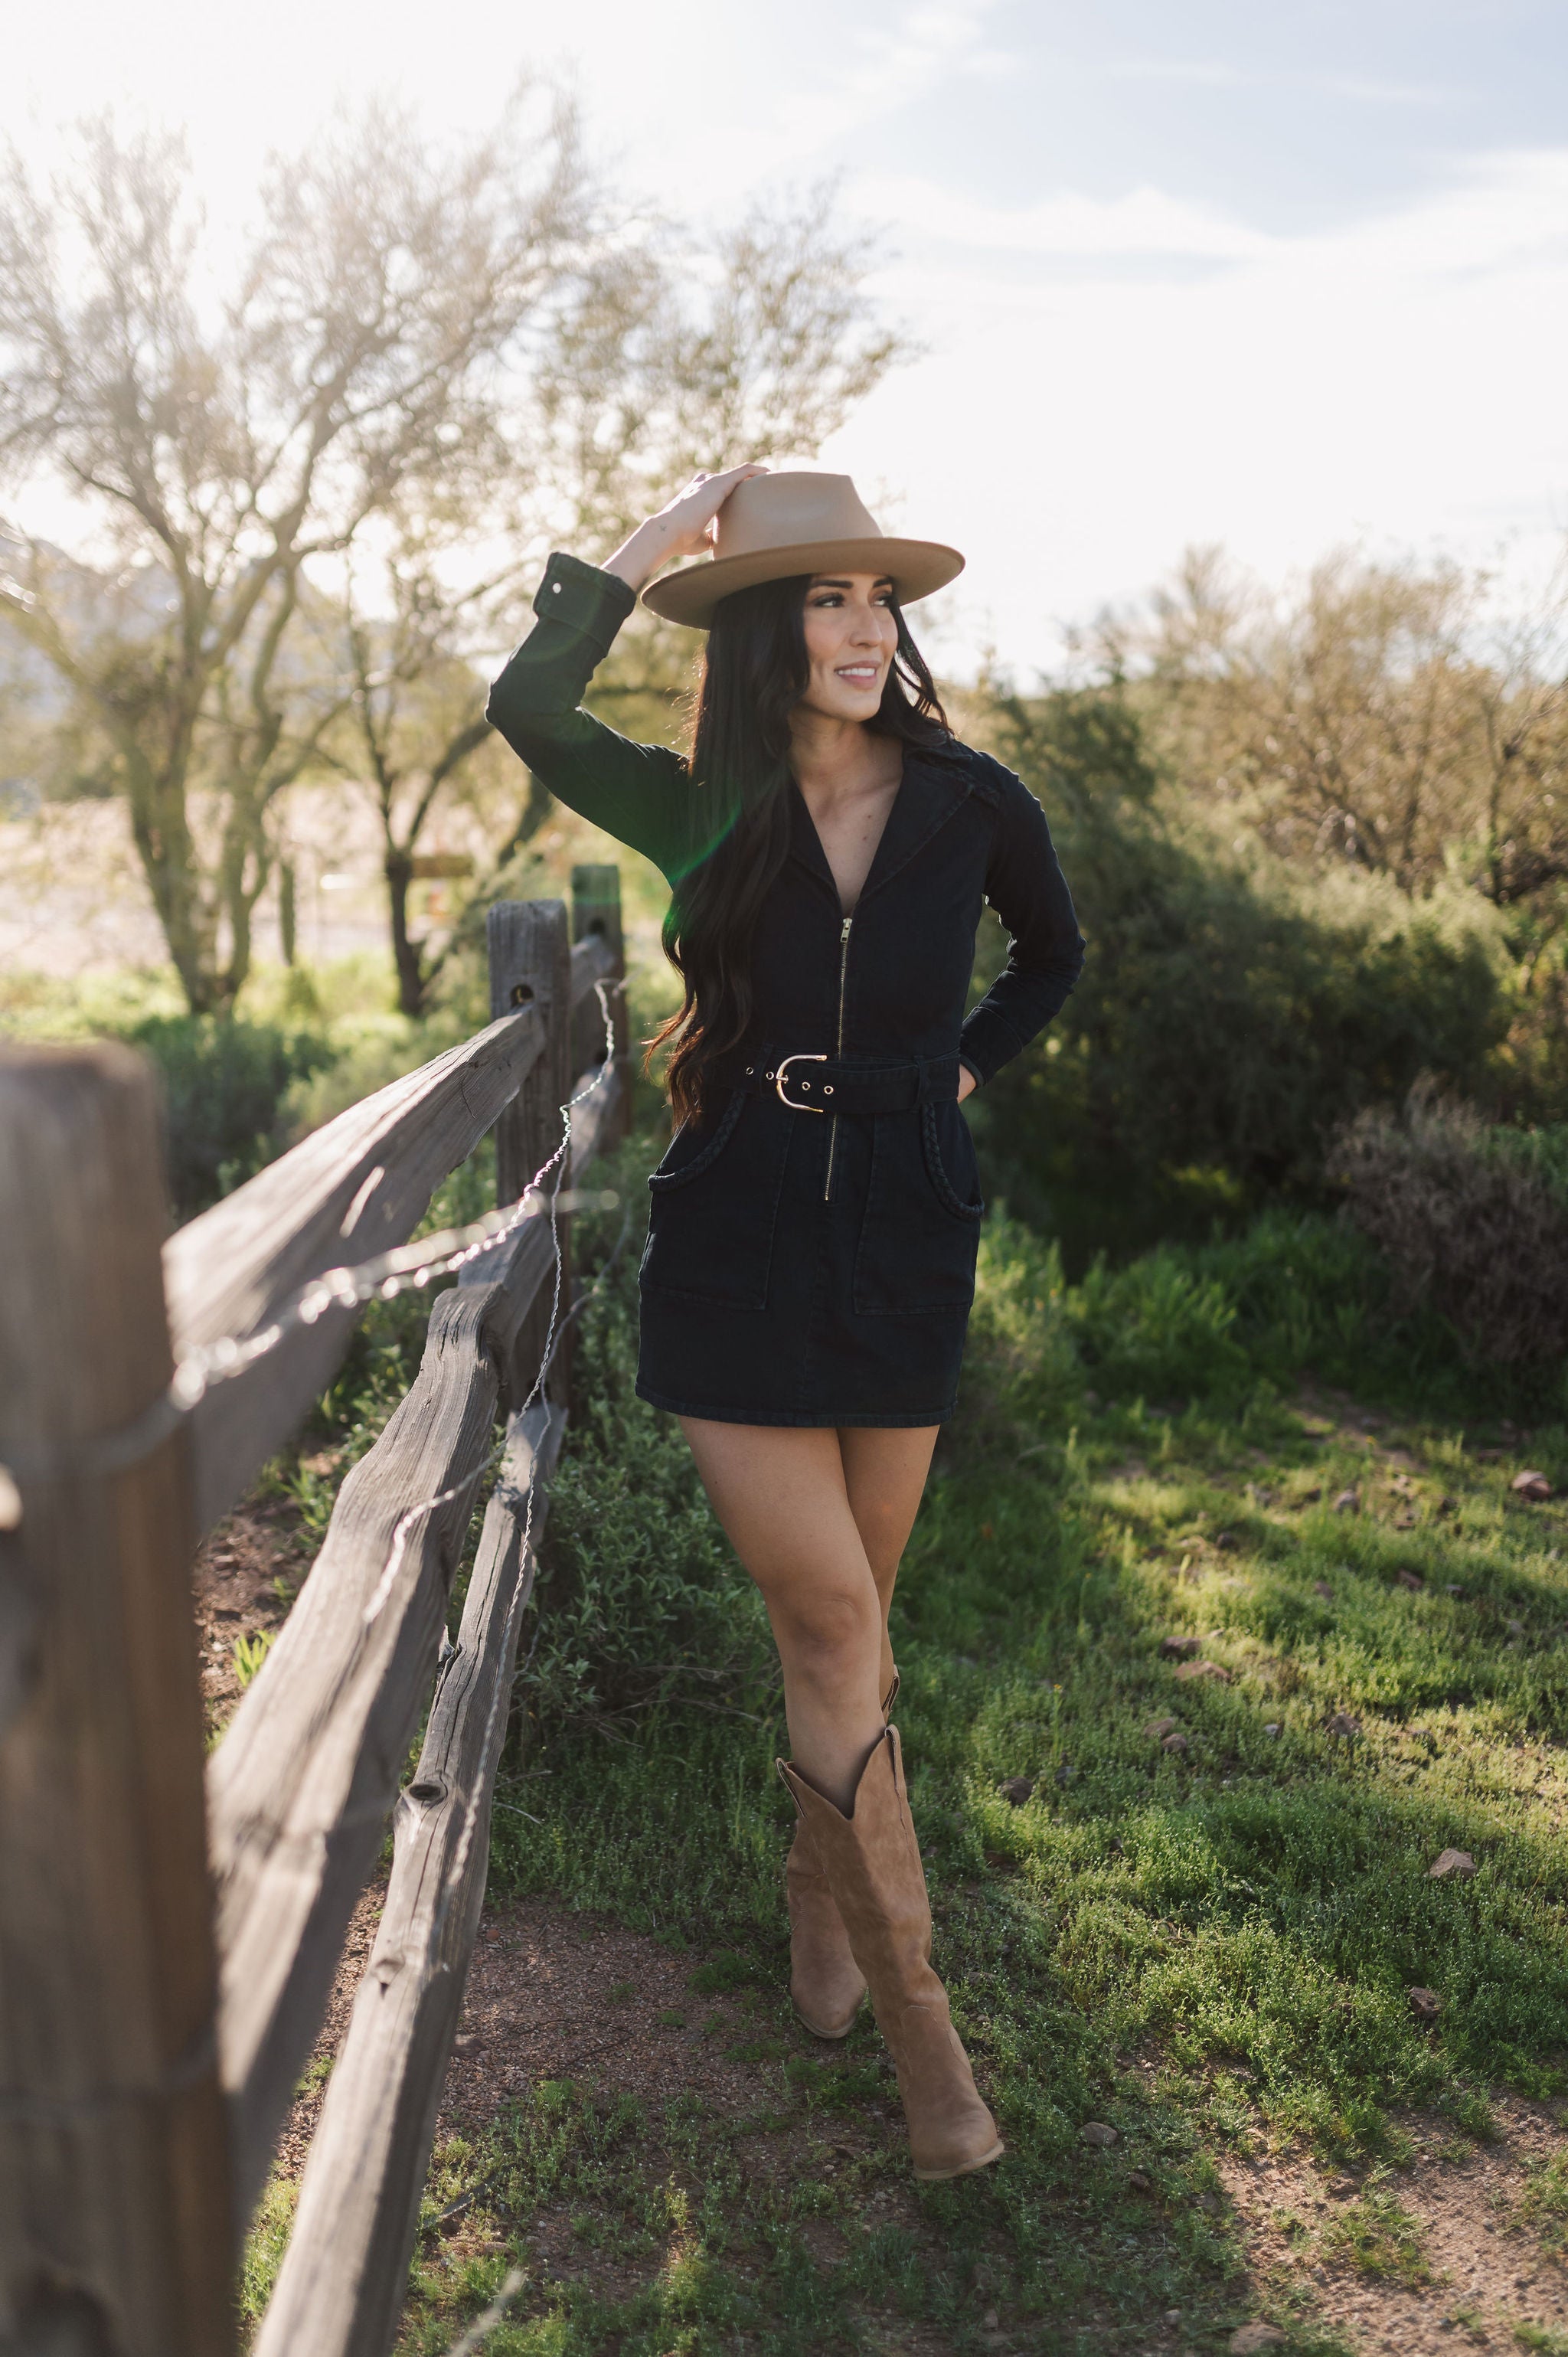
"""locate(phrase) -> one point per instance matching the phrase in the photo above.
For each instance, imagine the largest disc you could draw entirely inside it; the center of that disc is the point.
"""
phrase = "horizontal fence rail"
(163, 1992)
(340, 2288)
(347, 1192)
(299, 1789)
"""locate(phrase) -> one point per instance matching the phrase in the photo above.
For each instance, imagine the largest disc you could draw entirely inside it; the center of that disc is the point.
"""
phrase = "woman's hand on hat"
(683, 527)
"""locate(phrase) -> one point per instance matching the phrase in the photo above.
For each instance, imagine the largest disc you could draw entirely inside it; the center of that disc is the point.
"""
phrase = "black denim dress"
(811, 1248)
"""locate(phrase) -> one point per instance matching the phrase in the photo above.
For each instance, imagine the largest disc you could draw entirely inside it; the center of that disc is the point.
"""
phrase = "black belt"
(815, 1083)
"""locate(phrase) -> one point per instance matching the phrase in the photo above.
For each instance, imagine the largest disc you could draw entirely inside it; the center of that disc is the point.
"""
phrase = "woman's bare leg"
(780, 1494)
(884, 1477)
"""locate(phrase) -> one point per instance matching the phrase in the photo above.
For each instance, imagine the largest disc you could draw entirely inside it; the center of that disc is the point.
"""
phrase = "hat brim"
(915, 568)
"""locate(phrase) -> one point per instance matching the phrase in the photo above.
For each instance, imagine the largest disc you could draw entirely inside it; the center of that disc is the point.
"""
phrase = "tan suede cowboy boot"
(873, 1865)
(825, 1983)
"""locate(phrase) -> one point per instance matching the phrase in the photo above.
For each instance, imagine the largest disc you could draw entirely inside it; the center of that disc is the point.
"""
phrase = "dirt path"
(1474, 2271)
(556, 1996)
(246, 1574)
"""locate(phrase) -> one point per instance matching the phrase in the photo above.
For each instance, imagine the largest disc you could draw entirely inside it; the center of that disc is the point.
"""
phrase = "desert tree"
(224, 435)
(1396, 716)
(661, 354)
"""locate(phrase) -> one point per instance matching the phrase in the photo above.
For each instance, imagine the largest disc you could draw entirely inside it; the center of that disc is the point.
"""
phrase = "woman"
(811, 1249)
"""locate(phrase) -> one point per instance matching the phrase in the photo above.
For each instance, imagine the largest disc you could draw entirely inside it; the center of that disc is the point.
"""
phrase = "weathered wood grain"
(596, 1121)
(597, 916)
(352, 1190)
(115, 2213)
(340, 2290)
(529, 950)
(593, 959)
(300, 1786)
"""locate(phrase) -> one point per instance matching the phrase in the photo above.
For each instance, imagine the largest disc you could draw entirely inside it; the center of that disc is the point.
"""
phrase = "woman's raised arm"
(636, 792)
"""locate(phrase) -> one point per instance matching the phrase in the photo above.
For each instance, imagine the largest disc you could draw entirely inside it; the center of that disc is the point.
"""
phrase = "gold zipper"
(838, 1051)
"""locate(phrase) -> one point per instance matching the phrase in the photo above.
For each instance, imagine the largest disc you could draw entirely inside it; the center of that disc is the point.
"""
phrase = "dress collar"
(934, 785)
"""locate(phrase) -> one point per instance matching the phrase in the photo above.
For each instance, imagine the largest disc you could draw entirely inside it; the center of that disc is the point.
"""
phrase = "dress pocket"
(714, 1207)
(919, 1235)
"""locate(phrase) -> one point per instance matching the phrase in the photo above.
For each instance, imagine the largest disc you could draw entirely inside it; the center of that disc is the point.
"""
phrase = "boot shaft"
(872, 1859)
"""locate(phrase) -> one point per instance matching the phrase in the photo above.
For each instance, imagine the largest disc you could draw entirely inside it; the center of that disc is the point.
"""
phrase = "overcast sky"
(1275, 277)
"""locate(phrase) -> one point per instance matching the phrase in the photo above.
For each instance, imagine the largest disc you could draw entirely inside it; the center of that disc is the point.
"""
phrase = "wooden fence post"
(596, 908)
(115, 2226)
(530, 965)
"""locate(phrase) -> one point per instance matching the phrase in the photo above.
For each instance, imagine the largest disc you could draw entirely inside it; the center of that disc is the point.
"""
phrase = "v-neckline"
(846, 916)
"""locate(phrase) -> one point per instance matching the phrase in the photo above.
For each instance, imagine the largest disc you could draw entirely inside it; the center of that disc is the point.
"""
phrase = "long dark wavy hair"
(754, 672)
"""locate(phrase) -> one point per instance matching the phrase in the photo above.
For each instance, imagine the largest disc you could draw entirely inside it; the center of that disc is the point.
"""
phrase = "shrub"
(1289, 1293)
(1471, 1219)
(1231, 1011)
(223, 1085)
(1160, 1326)
(639, 1596)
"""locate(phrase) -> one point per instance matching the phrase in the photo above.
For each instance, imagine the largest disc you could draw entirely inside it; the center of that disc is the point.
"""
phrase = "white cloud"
(1108, 376)
(1398, 380)
(1067, 226)
(1205, 73)
(1220, 73)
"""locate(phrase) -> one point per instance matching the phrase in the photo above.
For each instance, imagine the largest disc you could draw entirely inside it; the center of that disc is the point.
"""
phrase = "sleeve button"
(556, 588)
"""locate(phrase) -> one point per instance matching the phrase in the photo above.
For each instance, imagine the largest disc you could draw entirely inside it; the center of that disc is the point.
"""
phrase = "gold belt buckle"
(799, 1057)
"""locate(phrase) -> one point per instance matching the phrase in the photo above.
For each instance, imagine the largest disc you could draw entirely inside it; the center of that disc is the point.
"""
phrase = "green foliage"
(250, 1652)
(638, 1596)
(1211, 1949)
(1237, 1317)
(1230, 1011)
(1542, 2207)
(1542, 1153)
(224, 1082)
(264, 2248)
(1380, 2238)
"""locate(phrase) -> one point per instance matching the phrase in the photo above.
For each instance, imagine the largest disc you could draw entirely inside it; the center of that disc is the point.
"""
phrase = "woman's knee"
(828, 1627)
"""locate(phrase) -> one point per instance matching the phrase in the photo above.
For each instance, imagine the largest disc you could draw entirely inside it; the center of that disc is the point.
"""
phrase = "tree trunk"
(287, 919)
(160, 829)
(407, 955)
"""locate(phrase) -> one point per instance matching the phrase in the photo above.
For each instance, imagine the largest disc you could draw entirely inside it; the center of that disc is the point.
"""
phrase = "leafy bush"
(1471, 1219)
(224, 1083)
(1231, 1013)
(1159, 1326)
(1291, 1293)
(639, 1596)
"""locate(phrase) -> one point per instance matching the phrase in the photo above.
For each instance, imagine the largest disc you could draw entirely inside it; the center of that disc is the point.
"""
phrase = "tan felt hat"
(774, 525)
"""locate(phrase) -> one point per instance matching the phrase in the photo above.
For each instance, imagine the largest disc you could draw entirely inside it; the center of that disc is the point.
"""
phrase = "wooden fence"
(169, 1924)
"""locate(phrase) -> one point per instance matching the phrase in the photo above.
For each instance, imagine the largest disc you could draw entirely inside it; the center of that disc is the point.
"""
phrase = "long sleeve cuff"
(986, 1042)
(584, 598)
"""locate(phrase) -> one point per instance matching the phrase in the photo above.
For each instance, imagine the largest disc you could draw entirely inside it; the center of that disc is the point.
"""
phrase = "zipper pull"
(843, 928)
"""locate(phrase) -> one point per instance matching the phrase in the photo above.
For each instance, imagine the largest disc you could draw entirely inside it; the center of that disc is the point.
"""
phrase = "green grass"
(1210, 1950)
(1542, 2207)
(1380, 2238)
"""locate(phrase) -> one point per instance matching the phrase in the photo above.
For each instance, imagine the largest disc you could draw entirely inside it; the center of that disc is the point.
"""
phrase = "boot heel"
(951, 2133)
